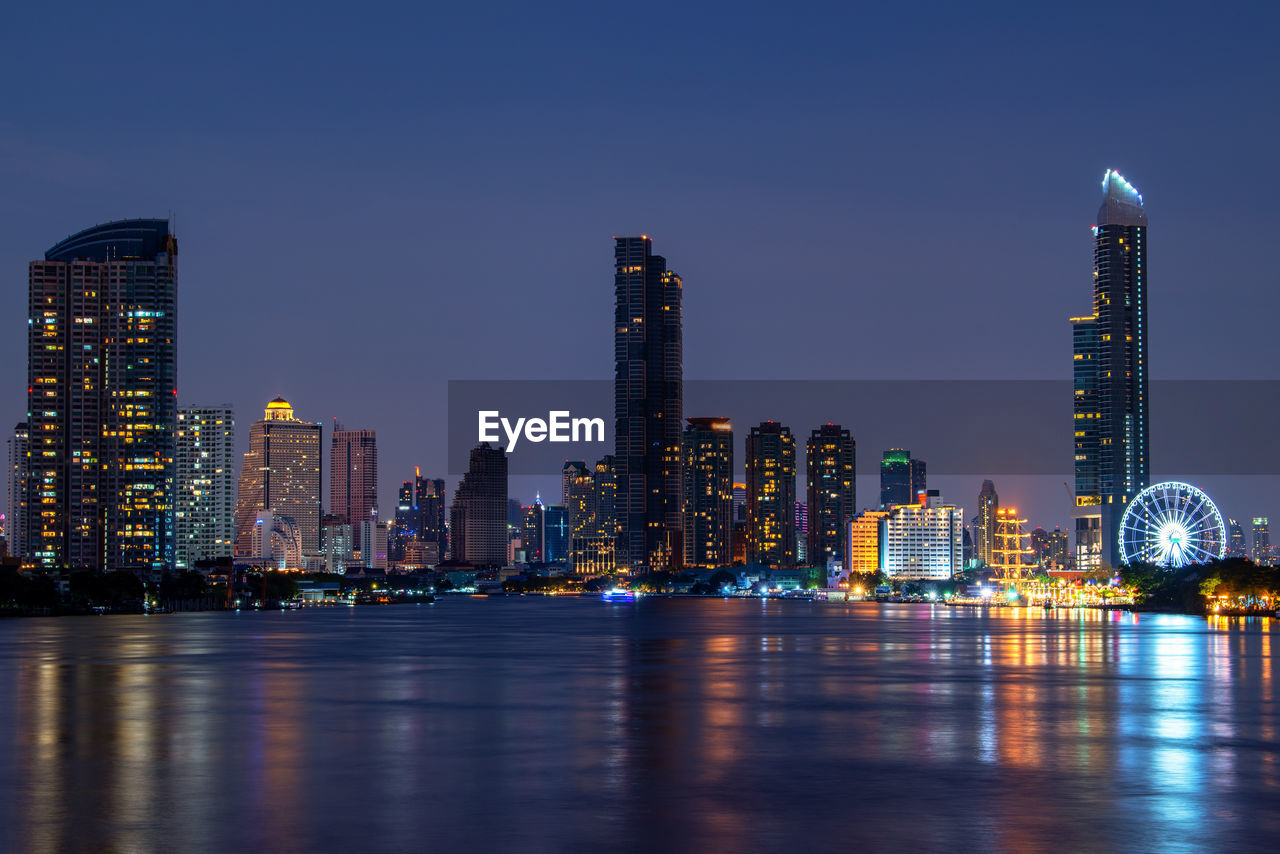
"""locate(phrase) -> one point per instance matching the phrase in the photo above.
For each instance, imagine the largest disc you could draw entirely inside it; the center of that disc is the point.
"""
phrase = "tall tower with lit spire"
(1110, 376)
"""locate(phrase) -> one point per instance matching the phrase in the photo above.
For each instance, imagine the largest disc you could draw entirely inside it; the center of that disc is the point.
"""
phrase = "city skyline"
(813, 187)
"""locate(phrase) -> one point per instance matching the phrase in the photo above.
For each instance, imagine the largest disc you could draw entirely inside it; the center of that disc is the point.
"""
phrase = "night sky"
(373, 199)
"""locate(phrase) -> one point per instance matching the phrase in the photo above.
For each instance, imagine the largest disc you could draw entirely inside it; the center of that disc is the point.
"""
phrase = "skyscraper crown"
(1121, 202)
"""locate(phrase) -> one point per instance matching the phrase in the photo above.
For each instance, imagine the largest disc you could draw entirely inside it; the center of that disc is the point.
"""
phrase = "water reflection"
(694, 724)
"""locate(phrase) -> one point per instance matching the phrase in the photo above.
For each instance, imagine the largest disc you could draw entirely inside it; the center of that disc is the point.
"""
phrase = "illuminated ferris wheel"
(1172, 524)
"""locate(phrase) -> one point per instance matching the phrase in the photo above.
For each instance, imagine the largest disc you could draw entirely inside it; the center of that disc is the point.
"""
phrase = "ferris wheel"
(1172, 524)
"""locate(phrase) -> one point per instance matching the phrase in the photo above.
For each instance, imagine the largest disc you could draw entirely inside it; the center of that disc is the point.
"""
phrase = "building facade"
(831, 494)
(922, 541)
(902, 478)
(16, 527)
(984, 524)
(102, 380)
(281, 474)
(648, 405)
(864, 542)
(771, 495)
(1261, 541)
(353, 478)
(205, 451)
(478, 518)
(707, 447)
(1110, 375)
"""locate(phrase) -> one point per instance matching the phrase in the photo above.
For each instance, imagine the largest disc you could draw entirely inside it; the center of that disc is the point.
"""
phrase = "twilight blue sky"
(372, 198)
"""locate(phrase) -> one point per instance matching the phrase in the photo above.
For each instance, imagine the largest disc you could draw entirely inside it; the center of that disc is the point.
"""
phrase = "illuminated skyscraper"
(353, 478)
(984, 528)
(206, 446)
(102, 362)
(478, 517)
(1236, 545)
(830, 465)
(16, 527)
(708, 492)
(280, 475)
(864, 542)
(1110, 377)
(648, 405)
(771, 495)
(1261, 541)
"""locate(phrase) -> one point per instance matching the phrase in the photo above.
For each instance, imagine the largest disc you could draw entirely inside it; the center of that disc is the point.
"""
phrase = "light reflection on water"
(712, 725)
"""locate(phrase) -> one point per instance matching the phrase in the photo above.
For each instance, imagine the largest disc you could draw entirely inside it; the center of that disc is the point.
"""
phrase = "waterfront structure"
(1171, 524)
(771, 495)
(864, 542)
(1261, 541)
(707, 446)
(101, 386)
(205, 447)
(16, 527)
(593, 540)
(984, 524)
(922, 541)
(373, 536)
(902, 478)
(648, 405)
(478, 518)
(353, 477)
(1110, 377)
(830, 463)
(281, 474)
(336, 546)
(1011, 549)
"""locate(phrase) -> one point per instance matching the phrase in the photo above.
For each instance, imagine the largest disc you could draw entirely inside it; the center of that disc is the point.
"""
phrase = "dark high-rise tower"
(902, 479)
(984, 527)
(648, 405)
(1110, 360)
(830, 494)
(478, 518)
(708, 492)
(771, 495)
(102, 363)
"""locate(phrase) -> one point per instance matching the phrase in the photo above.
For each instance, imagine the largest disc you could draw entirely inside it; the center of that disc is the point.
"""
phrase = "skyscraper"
(648, 405)
(353, 478)
(555, 534)
(1261, 541)
(771, 495)
(708, 492)
(280, 475)
(578, 495)
(902, 479)
(205, 450)
(102, 362)
(16, 529)
(1110, 377)
(478, 518)
(420, 515)
(830, 465)
(1236, 546)
(984, 528)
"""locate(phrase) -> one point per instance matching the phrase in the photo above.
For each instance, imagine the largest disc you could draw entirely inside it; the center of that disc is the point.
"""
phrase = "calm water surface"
(669, 724)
